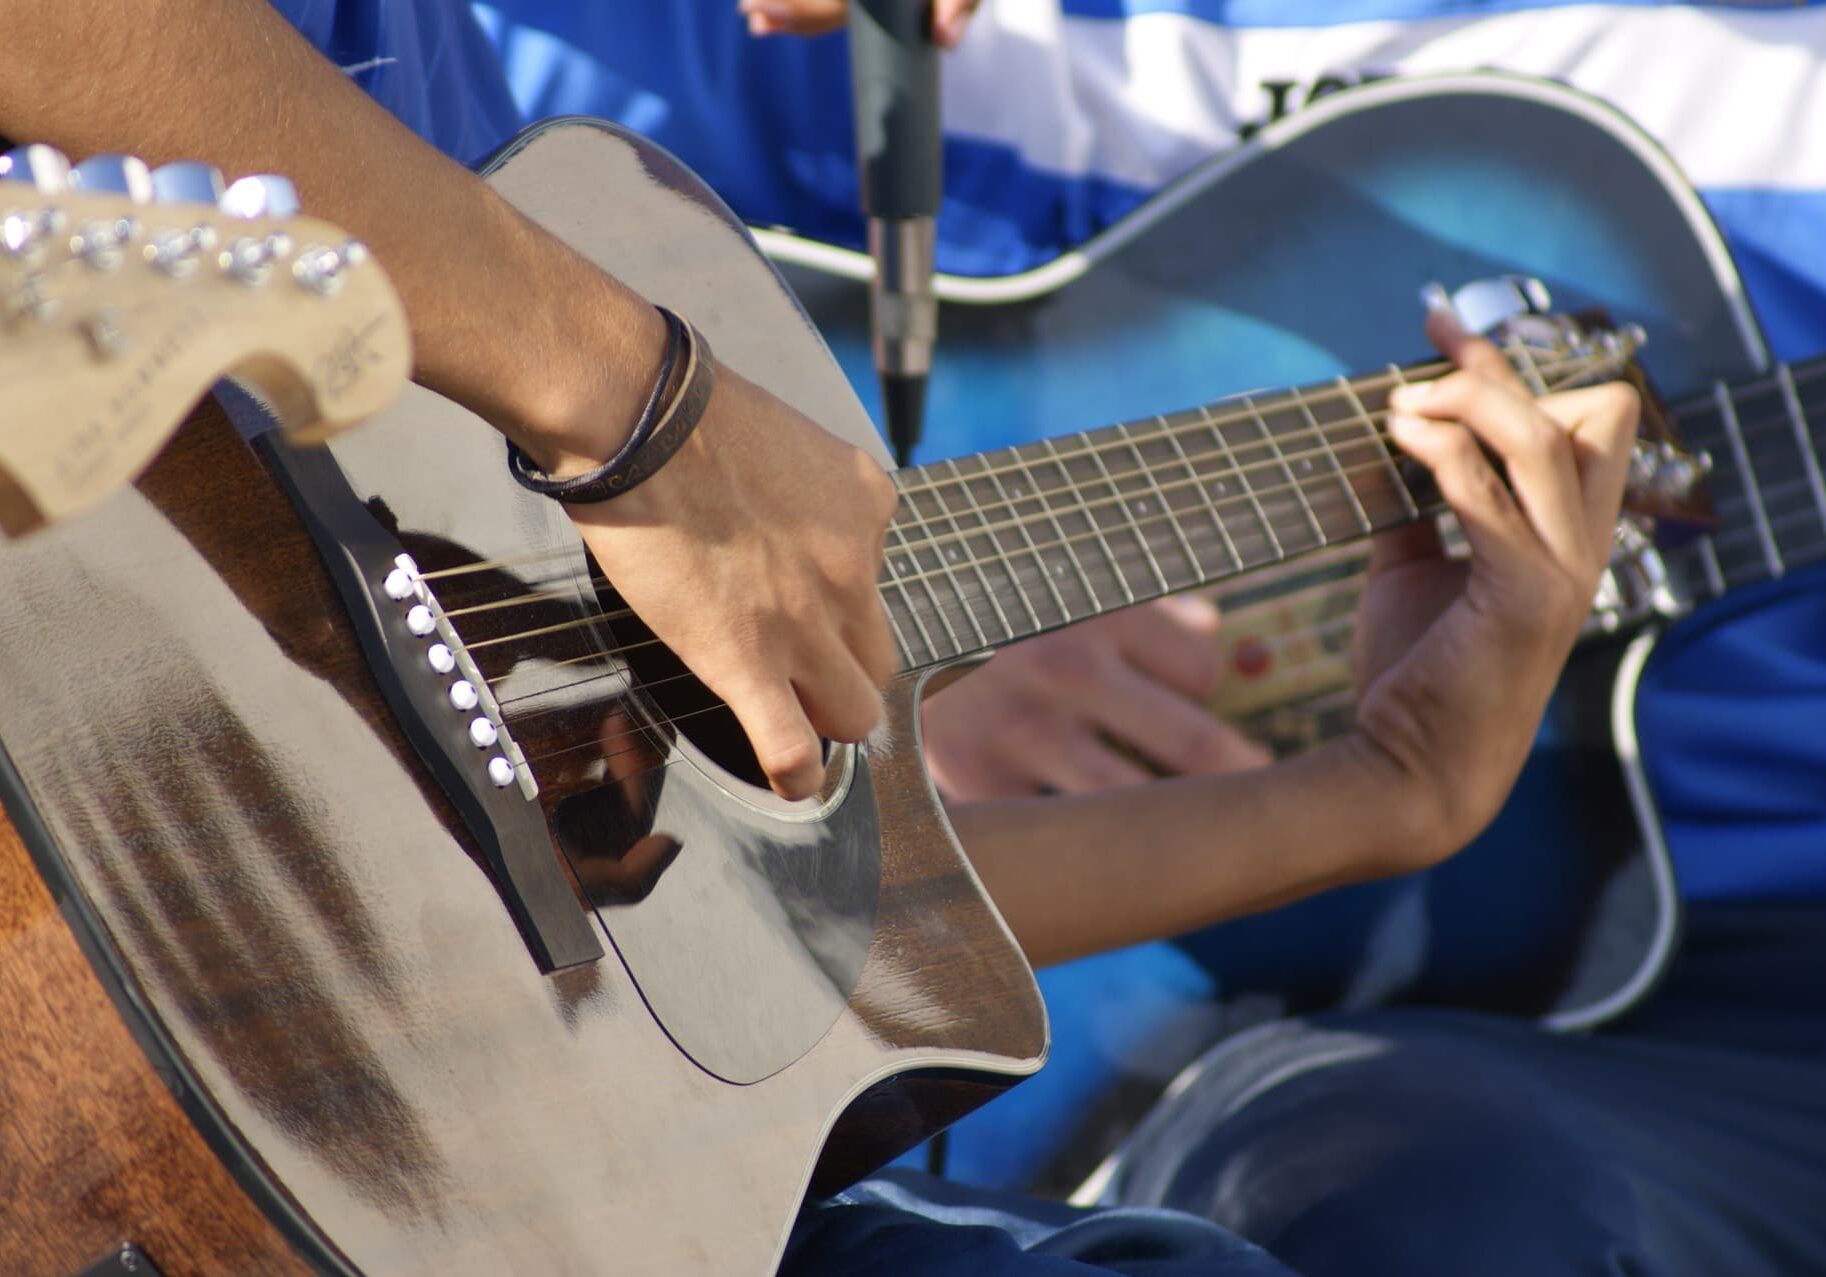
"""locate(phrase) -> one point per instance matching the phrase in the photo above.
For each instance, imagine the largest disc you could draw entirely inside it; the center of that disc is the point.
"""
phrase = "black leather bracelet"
(664, 425)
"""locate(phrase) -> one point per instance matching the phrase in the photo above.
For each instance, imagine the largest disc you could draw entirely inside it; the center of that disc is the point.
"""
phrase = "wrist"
(1408, 822)
(585, 411)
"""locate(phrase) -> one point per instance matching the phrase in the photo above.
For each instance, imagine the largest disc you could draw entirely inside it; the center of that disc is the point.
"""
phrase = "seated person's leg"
(1692, 1140)
(903, 1224)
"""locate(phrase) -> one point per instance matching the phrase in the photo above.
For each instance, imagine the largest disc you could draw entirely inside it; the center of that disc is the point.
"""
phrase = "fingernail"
(1434, 297)
(1410, 396)
(1401, 423)
(1193, 609)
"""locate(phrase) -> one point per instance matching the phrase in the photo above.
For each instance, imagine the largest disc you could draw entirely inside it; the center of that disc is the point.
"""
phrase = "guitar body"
(370, 991)
(1295, 258)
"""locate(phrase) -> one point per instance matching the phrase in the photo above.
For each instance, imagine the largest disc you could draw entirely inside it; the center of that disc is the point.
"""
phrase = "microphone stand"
(894, 66)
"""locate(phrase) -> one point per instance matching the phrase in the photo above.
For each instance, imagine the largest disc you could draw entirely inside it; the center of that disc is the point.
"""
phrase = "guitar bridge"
(441, 702)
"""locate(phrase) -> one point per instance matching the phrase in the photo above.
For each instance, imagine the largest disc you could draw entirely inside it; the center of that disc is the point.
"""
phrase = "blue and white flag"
(1064, 115)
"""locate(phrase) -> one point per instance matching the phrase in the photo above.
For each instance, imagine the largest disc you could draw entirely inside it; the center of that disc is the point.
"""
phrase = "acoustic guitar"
(451, 909)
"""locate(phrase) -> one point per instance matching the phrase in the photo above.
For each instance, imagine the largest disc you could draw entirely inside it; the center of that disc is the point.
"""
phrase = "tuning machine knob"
(1488, 306)
(23, 235)
(43, 167)
(263, 195)
(1666, 471)
(115, 174)
(321, 269)
(187, 182)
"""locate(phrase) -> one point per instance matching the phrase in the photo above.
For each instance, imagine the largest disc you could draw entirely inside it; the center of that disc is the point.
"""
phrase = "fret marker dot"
(1306, 465)
(1141, 507)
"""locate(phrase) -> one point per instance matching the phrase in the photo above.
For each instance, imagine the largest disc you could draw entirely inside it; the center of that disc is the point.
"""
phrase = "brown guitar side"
(94, 1151)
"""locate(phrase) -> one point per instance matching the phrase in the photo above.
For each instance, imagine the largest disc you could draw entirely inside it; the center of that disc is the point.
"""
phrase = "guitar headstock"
(126, 292)
(1665, 501)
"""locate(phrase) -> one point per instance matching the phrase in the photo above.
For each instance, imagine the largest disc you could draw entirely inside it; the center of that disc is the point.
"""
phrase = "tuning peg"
(321, 269)
(263, 195)
(1486, 305)
(119, 174)
(44, 167)
(187, 182)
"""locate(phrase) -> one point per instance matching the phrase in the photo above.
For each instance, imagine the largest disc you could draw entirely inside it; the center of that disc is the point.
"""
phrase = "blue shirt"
(426, 61)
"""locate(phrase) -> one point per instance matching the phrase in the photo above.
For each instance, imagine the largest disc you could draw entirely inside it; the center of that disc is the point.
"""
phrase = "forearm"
(1078, 875)
(505, 319)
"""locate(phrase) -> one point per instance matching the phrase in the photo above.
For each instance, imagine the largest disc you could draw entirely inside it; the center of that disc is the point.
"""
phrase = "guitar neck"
(1767, 438)
(995, 547)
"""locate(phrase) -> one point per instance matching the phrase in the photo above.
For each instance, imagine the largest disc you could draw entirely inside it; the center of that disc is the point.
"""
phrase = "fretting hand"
(1061, 712)
(1456, 659)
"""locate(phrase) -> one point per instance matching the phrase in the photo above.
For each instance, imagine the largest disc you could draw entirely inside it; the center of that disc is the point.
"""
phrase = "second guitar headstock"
(126, 292)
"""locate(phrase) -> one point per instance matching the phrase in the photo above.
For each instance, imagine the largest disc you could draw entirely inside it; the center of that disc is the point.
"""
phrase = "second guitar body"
(1295, 258)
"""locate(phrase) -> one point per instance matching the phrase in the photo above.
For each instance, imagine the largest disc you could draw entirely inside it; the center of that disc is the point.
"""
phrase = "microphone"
(894, 67)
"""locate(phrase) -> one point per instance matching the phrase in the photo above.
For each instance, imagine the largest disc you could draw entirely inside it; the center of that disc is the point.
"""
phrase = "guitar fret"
(1032, 547)
(1096, 527)
(924, 576)
(1809, 460)
(1118, 499)
(1728, 414)
(1242, 479)
(999, 554)
(1168, 513)
(1337, 465)
(912, 568)
(1198, 486)
(1064, 542)
(961, 546)
(1410, 506)
(1293, 483)
(900, 639)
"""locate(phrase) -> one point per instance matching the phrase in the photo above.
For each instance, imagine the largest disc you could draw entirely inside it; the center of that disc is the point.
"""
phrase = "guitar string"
(968, 596)
(1760, 428)
(1300, 640)
(1310, 598)
(1252, 497)
(1363, 429)
(1253, 412)
(611, 752)
(1757, 428)
(1251, 415)
(1801, 374)
(1350, 588)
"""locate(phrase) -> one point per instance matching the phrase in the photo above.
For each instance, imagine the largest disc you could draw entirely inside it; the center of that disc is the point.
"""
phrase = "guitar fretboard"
(1766, 438)
(998, 546)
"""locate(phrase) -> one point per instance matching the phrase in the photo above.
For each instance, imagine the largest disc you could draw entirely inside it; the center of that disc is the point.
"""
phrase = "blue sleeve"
(426, 61)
